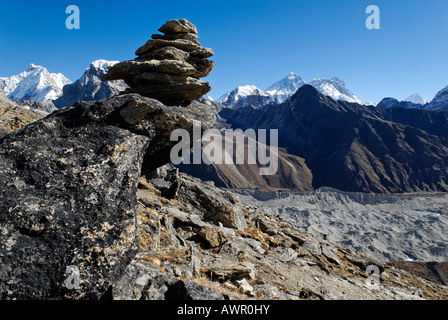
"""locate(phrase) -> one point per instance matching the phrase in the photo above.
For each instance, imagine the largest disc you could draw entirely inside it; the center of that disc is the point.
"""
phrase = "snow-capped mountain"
(285, 88)
(415, 101)
(416, 98)
(334, 88)
(440, 101)
(282, 90)
(90, 87)
(388, 103)
(244, 96)
(36, 84)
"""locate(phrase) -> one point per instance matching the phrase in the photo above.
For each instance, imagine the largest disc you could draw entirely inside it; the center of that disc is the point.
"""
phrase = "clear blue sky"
(255, 41)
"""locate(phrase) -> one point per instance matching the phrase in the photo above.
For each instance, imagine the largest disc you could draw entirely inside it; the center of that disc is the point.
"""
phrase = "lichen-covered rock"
(68, 193)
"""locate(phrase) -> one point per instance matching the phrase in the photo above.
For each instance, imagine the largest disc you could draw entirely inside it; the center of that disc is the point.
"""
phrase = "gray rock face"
(143, 280)
(90, 87)
(168, 58)
(218, 206)
(68, 193)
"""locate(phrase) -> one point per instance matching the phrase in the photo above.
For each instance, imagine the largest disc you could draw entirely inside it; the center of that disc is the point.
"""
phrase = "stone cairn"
(168, 66)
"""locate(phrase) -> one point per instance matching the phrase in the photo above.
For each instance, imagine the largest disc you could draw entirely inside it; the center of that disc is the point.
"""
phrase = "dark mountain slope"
(352, 147)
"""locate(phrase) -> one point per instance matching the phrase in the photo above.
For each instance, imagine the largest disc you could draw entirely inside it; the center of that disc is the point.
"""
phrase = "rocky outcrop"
(68, 199)
(168, 66)
(14, 116)
(269, 258)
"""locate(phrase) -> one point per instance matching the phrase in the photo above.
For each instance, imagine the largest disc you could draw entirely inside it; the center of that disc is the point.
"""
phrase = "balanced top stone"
(168, 66)
(178, 26)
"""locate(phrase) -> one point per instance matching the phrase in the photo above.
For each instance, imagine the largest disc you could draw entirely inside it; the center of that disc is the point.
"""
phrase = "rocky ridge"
(353, 147)
(259, 257)
(168, 66)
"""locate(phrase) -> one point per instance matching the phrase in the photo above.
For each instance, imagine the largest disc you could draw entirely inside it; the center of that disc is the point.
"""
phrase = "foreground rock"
(68, 193)
(169, 66)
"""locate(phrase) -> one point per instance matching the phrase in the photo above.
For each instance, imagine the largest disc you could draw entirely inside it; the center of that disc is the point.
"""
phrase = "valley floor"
(383, 226)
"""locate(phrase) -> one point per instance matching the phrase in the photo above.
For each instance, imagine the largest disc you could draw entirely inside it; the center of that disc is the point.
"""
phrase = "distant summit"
(90, 87)
(415, 101)
(440, 101)
(334, 88)
(416, 98)
(35, 84)
(285, 88)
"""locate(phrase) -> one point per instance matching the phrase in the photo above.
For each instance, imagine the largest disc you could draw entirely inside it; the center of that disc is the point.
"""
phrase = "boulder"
(68, 193)
(178, 26)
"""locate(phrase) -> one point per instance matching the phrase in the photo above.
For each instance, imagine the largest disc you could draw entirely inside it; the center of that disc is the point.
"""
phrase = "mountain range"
(280, 91)
(353, 147)
(415, 101)
(37, 84)
(283, 89)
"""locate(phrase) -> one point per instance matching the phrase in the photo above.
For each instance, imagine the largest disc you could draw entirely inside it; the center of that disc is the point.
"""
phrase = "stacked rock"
(168, 66)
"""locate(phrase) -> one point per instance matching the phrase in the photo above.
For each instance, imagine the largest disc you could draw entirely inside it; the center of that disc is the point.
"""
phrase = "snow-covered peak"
(285, 88)
(388, 103)
(416, 98)
(241, 92)
(90, 87)
(96, 70)
(102, 64)
(334, 88)
(440, 101)
(245, 95)
(36, 84)
(32, 67)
